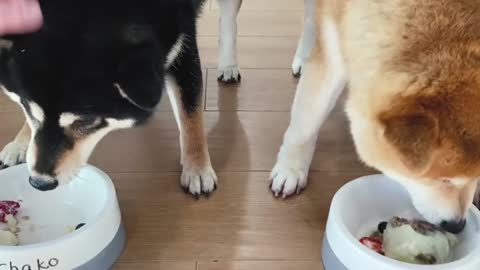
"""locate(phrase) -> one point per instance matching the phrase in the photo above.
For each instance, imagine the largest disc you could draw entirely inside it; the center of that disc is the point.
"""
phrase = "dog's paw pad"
(198, 182)
(14, 153)
(229, 74)
(286, 181)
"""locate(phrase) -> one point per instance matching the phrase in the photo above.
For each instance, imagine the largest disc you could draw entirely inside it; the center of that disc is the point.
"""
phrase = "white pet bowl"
(46, 220)
(356, 210)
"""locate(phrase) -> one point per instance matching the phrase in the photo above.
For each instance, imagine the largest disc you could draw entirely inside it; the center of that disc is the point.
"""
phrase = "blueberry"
(382, 226)
(79, 226)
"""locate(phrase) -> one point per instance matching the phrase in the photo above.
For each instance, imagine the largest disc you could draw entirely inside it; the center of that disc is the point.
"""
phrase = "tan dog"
(413, 68)
(228, 68)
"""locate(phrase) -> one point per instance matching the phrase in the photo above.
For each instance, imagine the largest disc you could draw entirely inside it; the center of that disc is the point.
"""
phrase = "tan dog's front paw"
(287, 181)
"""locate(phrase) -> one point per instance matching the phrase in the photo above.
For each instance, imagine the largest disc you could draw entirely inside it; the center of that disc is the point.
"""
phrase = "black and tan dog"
(98, 66)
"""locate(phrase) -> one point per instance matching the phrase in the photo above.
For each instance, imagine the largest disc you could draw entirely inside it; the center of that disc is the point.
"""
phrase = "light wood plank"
(255, 23)
(260, 90)
(240, 221)
(167, 265)
(253, 52)
(261, 265)
(277, 5)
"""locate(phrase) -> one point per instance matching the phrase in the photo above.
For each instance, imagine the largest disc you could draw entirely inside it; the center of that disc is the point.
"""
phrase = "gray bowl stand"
(107, 258)
(330, 260)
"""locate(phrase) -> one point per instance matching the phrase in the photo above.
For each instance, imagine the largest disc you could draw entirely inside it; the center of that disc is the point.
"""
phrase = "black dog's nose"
(42, 184)
(455, 227)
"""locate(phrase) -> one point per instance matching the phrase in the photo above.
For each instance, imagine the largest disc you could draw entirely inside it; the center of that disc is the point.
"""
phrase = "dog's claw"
(297, 74)
(3, 166)
(231, 80)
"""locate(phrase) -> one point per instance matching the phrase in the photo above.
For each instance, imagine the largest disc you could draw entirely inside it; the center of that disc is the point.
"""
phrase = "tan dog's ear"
(414, 135)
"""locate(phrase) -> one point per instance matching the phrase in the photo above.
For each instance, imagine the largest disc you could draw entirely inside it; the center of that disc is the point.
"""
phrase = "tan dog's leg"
(318, 90)
(228, 70)
(308, 39)
(15, 152)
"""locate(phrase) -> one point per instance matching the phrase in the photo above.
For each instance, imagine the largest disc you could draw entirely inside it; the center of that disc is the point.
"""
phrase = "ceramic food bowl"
(356, 210)
(47, 221)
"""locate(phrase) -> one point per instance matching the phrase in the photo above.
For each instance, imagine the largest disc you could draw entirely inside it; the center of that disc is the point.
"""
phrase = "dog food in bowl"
(10, 226)
(412, 241)
(8, 232)
(361, 204)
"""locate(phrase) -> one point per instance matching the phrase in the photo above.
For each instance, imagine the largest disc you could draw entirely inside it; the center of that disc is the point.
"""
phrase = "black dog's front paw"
(198, 182)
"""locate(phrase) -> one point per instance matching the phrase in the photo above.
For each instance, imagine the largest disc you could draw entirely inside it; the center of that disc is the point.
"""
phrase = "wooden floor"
(242, 226)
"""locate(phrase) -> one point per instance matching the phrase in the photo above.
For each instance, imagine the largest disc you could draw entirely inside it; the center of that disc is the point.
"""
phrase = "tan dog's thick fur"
(413, 68)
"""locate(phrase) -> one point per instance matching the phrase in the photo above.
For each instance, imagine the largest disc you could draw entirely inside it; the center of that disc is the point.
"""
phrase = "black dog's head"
(78, 78)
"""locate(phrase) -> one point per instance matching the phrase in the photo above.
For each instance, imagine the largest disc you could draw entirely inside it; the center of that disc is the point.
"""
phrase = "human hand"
(19, 16)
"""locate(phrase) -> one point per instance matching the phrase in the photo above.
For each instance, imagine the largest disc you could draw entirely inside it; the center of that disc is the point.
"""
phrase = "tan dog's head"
(427, 137)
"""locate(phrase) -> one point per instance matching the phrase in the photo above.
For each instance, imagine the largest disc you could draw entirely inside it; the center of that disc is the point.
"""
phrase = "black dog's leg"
(16, 151)
(185, 90)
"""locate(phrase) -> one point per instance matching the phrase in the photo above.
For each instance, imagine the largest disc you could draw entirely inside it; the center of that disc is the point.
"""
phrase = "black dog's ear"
(140, 77)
